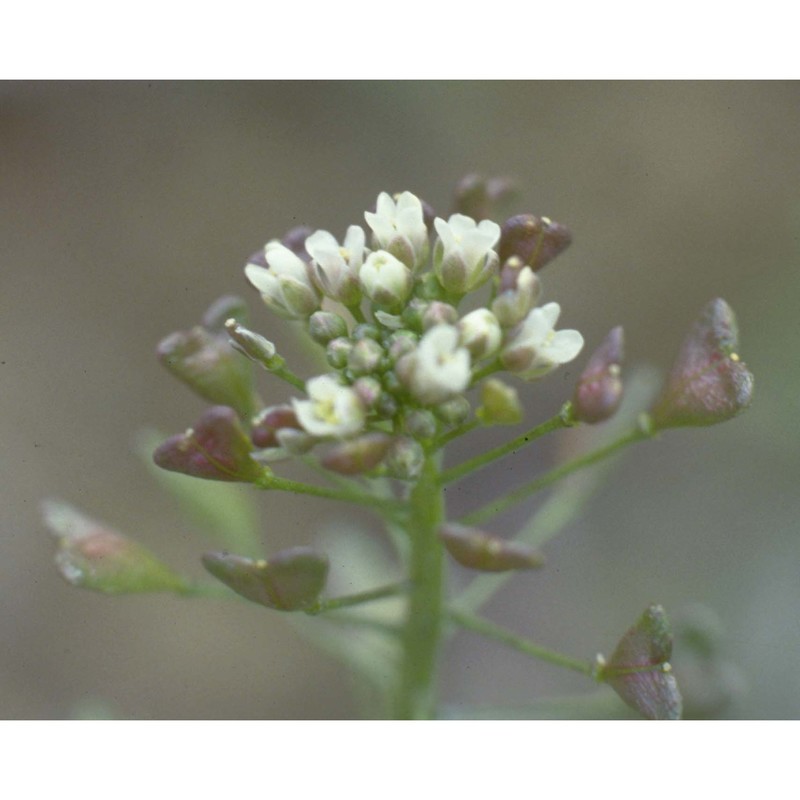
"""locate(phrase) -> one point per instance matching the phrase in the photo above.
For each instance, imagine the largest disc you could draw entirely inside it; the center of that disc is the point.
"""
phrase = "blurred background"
(128, 207)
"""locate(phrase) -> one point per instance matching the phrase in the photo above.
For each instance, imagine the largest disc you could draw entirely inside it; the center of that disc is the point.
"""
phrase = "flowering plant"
(430, 328)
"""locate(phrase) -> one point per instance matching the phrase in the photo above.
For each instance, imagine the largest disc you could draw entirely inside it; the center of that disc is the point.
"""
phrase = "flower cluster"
(386, 309)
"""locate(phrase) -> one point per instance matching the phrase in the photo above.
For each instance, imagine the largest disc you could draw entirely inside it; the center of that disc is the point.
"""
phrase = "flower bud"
(599, 389)
(250, 344)
(334, 268)
(216, 449)
(400, 344)
(519, 291)
(463, 258)
(366, 330)
(386, 280)
(499, 404)
(365, 357)
(413, 314)
(639, 671)
(405, 459)
(438, 313)
(295, 240)
(209, 365)
(291, 580)
(453, 411)
(338, 351)
(476, 196)
(536, 240)
(420, 423)
(479, 331)
(267, 424)
(708, 382)
(356, 456)
(323, 326)
(369, 391)
(93, 556)
(477, 549)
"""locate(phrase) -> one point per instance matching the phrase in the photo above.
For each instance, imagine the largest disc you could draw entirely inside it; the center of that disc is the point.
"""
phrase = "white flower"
(331, 410)
(463, 258)
(386, 280)
(479, 331)
(285, 284)
(336, 268)
(438, 368)
(536, 347)
(399, 227)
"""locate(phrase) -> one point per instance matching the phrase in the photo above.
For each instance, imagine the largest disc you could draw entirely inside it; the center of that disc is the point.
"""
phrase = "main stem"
(422, 631)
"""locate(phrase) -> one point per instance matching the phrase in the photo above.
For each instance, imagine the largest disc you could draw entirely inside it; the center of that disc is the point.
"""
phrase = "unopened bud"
(536, 240)
(414, 312)
(386, 280)
(420, 423)
(356, 456)
(94, 556)
(366, 330)
(369, 391)
(499, 404)
(253, 345)
(479, 331)
(439, 313)
(519, 293)
(708, 382)
(365, 357)
(405, 459)
(599, 389)
(477, 549)
(453, 411)
(639, 670)
(323, 326)
(401, 343)
(216, 449)
(338, 351)
(290, 580)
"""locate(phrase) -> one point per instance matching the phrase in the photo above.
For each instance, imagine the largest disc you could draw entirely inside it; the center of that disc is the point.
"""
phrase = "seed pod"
(708, 382)
(289, 581)
(215, 449)
(477, 549)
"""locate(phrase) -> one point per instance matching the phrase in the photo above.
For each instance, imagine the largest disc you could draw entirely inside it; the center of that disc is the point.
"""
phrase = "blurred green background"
(128, 207)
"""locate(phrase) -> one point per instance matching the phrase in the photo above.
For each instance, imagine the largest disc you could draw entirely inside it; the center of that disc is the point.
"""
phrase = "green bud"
(453, 411)
(405, 459)
(250, 344)
(420, 423)
(323, 326)
(598, 392)
(369, 391)
(499, 404)
(365, 357)
(291, 580)
(708, 382)
(366, 330)
(439, 313)
(477, 549)
(639, 670)
(93, 556)
(337, 352)
(215, 449)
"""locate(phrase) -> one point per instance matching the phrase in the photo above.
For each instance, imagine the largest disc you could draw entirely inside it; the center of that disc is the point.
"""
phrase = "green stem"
(488, 511)
(492, 631)
(448, 437)
(271, 481)
(285, 374)
(422, 631)
(379, 593)
(485, 371)
(561, 420)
